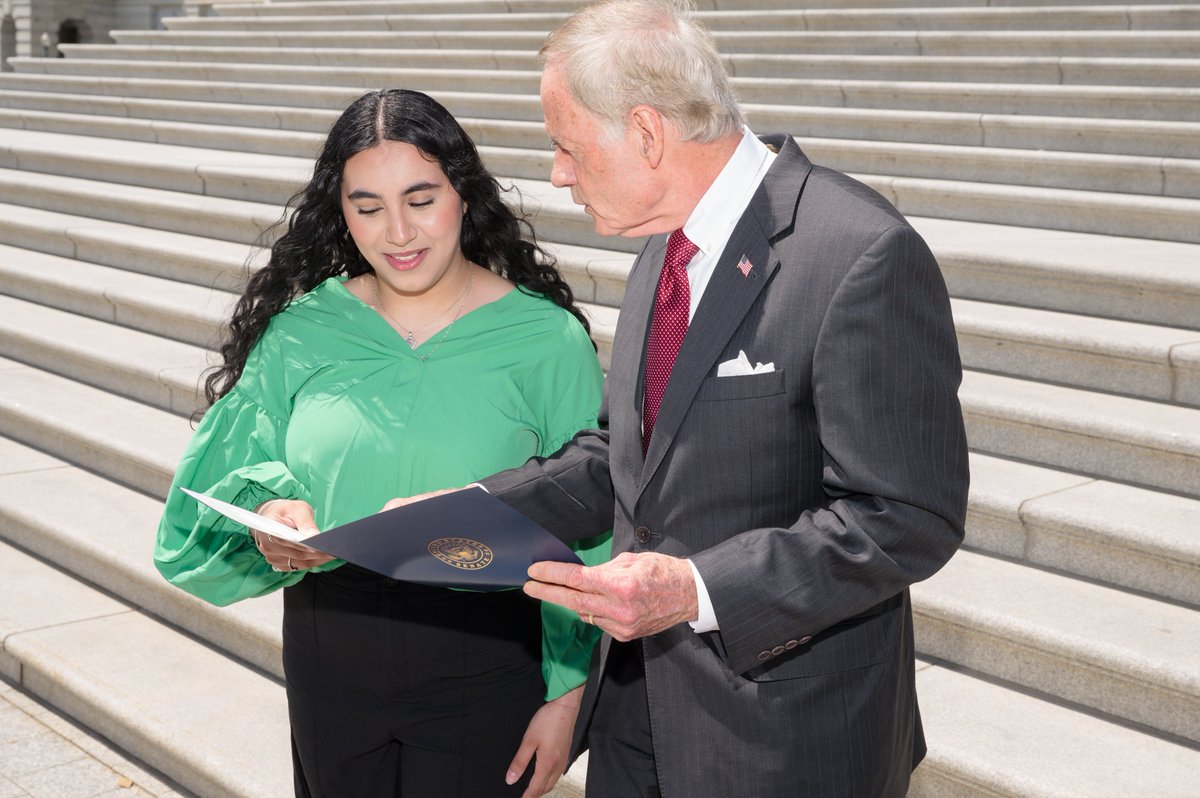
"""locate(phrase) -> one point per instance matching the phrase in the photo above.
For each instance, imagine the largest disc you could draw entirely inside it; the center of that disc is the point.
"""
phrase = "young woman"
(404, 337)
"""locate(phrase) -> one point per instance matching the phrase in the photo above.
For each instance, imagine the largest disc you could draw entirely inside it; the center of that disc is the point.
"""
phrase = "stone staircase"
(1049, 154)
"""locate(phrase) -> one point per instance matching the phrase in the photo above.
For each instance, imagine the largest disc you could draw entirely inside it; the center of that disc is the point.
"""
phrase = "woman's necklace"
(410, 334)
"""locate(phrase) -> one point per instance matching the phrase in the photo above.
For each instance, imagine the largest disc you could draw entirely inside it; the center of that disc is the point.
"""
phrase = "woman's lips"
(405, 261)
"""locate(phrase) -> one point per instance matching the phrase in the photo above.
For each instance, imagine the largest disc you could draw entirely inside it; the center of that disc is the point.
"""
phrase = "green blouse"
(334, 408)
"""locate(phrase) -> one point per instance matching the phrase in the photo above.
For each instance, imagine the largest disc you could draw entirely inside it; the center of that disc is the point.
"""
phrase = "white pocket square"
(740, 365)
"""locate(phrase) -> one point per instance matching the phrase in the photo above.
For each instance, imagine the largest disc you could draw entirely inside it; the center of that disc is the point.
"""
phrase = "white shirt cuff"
(481, 486)
(707, 622)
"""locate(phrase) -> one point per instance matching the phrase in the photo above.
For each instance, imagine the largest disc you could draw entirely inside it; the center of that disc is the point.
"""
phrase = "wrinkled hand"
(633, 595)
(549, 736)
(287, 555)
(394, 503)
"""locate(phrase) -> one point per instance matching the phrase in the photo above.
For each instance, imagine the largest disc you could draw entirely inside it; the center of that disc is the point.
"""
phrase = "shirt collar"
(726, 199)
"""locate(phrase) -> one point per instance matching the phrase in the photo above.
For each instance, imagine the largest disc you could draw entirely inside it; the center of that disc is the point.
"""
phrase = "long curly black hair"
(316, 244)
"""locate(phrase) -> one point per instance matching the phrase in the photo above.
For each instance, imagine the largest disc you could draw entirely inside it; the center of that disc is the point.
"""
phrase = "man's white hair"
(619, 54)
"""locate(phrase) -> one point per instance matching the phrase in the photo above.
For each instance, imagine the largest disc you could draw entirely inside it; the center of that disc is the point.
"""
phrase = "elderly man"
(781, 449)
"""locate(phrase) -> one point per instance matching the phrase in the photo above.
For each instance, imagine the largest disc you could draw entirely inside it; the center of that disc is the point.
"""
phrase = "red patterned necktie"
(667, 327)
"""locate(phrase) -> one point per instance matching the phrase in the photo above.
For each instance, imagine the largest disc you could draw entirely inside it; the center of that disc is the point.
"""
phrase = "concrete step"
(215, 726)
(1110, 214)
(38, 110)
(490, 81)
(997, 69)
(44, 747)
(138, 365)
(1034, 70)
(250, 177)
(407, 58)
(1089, 102)
(1108, 102)
(317, 97)
(194, 313)
(217, 218)
(1133, 441)
(99, 533)
(1118, 653)
(102, 533)
(1059, 43)
(1125, 174)
(1127, 102)
(24, 319)
(1095, 275)
(986, 752)
(126, 441)
(1116, 174)
(188, 134)
(988, 739)
(38, 237)
(165, 376)
(1164, 17)
(1131, 279)
(1134, 279)
(1139, 360)
(175, 256)
(163, 113)
(169, 309)
(1120, 535)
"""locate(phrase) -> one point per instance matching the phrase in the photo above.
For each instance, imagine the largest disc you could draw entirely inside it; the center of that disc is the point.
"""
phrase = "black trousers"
(400, 690)
(620, 749)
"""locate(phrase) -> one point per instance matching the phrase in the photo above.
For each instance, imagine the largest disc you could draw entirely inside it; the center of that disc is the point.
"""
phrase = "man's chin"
(605, 228)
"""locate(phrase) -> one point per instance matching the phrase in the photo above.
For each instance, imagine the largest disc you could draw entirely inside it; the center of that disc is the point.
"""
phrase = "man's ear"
(646, 125)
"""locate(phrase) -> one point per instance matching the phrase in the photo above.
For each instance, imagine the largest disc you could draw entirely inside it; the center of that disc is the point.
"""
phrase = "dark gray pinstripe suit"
(809, 498)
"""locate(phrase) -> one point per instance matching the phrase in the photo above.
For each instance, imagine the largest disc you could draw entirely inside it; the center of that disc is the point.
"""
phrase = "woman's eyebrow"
(362, 193)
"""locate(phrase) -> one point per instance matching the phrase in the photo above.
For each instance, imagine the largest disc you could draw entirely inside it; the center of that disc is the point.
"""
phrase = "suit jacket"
(809, 497)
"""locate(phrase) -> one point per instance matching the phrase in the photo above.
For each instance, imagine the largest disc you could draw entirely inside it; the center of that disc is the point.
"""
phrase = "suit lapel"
(729, 294)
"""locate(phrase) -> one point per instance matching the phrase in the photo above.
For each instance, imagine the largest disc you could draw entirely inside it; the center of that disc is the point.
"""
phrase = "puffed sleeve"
(569, 394)
(235, 455)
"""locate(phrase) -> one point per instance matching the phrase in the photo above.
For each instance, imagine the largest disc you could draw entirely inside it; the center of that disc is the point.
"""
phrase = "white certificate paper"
(247, 518)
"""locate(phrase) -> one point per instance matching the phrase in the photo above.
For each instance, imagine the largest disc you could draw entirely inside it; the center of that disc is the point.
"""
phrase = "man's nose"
(562, 173)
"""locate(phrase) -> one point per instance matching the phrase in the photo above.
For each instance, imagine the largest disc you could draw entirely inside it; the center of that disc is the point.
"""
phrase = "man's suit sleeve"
(885, 379)
(569, 493)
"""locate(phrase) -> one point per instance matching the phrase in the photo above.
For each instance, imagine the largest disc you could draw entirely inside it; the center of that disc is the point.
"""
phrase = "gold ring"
(591, 620)
(290, 566)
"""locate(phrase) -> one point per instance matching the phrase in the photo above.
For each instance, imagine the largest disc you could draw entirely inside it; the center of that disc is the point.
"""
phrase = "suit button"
(763, 656)
(775, 652)
(804, 639)
(789, 645)
(642, 534)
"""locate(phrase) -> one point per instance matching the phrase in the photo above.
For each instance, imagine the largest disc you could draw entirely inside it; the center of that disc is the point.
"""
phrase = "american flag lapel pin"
(744, 266)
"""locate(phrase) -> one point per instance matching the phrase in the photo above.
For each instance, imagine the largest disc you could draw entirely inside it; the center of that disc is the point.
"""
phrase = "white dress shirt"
(709, 228)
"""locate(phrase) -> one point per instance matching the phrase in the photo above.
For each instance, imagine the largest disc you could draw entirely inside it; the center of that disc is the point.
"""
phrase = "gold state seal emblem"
(464, 553)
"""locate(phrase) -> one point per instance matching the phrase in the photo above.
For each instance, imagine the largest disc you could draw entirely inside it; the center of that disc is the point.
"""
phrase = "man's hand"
(287, 555)
(632, 596)
(394, 503)
(548, 736)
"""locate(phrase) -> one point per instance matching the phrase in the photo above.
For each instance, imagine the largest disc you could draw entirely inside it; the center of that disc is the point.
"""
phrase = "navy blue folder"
(465, 539)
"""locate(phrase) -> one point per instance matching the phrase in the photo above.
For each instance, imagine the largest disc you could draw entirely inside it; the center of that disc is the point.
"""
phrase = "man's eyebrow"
(362, 193)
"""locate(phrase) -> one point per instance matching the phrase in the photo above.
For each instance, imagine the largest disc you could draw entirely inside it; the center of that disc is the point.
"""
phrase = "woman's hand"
(286, 555)
(548, 736)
